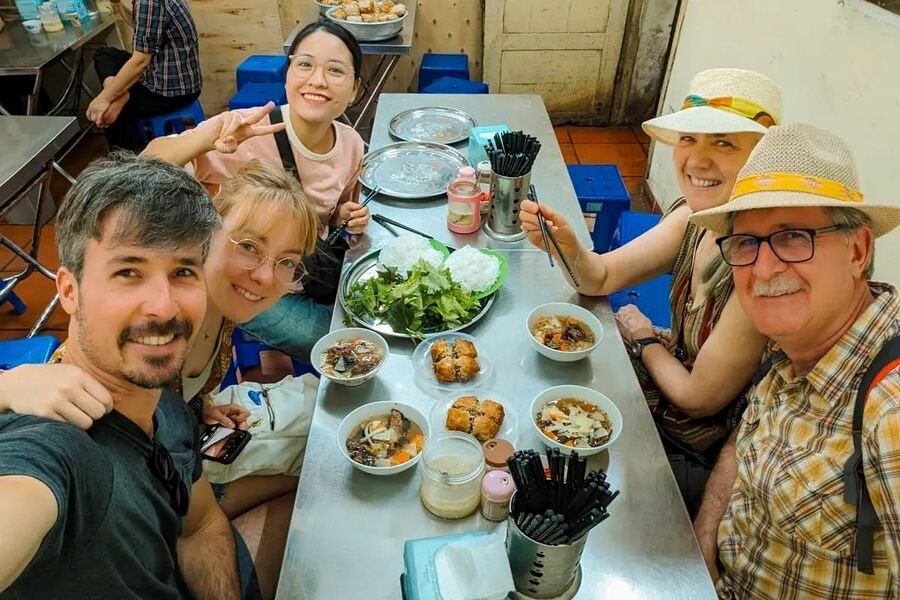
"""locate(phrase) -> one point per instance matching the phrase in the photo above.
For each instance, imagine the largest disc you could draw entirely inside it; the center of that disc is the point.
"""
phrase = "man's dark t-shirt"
(116, 531)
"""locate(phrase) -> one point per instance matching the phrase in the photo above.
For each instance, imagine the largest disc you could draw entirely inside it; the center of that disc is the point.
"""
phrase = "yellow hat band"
(792, 182)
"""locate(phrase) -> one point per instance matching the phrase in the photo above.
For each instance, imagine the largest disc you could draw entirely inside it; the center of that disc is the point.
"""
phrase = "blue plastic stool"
(25, 351)
(262, 68)
(451, 85)
(630, 226)
(651, 297)
(435, 66)
(17, 305)
(176, 121)
(255, 94)
(602, 193)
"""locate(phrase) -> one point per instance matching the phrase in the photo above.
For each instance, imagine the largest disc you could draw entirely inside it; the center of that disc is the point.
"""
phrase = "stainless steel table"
(390, 52)
(348, 528)
(31, 145)
(23, 53)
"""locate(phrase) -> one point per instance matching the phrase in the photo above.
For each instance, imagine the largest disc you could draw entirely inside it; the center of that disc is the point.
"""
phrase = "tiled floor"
(625, 147)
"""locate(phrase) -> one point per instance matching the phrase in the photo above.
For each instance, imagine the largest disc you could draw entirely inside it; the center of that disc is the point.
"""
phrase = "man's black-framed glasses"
(163, 468)
(789, 245)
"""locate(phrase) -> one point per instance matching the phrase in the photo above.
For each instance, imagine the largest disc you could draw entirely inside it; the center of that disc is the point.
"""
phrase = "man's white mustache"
(778, 286)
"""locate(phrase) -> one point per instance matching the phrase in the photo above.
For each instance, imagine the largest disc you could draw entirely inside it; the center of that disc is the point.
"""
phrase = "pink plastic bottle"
(464, 202)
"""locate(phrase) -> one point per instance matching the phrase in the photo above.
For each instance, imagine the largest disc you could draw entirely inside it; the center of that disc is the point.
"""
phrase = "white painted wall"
(836, 62)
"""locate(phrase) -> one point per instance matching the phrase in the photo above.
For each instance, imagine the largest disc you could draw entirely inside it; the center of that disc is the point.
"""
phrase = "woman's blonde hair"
(269, 188)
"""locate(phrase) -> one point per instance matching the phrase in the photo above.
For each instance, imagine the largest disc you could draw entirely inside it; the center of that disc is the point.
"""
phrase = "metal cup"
(503, 217)
(539, 570)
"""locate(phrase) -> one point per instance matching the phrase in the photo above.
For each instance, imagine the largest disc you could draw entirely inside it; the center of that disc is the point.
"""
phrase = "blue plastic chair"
(435, 66)
(254, 94)
(176, 121)
(25, 351)
(262, 68)
(452, 85)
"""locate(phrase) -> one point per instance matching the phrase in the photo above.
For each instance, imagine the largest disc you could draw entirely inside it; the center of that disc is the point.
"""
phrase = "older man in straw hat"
(813, 472)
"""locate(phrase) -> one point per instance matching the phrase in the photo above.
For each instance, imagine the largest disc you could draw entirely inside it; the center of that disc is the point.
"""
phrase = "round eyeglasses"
(248, 255)
(789, 245)
(303, 68)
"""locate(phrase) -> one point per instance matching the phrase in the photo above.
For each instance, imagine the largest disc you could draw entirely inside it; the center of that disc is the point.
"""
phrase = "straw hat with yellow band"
(798, 165)
(721, 101)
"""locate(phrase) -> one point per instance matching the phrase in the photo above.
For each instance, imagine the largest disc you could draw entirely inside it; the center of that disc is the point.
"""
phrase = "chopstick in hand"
(334, 235)
(562, 257)
(532, 194)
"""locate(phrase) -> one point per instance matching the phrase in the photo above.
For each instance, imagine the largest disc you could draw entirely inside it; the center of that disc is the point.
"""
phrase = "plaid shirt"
(165, 30)
(787, 532)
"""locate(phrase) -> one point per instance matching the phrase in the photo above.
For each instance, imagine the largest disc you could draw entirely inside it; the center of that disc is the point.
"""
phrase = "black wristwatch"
(638, 345)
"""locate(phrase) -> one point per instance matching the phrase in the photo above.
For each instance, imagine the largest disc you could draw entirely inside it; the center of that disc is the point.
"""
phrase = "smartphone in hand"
(221, 444)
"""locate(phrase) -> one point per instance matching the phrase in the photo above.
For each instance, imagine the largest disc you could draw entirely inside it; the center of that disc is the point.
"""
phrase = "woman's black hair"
(338, 32)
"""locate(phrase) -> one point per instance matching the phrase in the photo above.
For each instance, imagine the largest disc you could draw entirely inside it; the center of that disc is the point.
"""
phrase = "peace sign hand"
(238, 127)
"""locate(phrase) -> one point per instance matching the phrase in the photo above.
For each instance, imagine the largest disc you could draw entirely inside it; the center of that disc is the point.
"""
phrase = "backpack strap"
(855, 490)
(766, 366)
(284, 144)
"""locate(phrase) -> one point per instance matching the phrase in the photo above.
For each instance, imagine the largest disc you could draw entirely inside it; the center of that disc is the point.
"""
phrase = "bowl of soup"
(349, 356)
(575, 418)
(383, 438)
(563, 332)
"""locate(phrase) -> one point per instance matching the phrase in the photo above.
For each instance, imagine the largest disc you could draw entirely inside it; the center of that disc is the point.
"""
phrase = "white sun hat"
(798, 165)
(721, 101)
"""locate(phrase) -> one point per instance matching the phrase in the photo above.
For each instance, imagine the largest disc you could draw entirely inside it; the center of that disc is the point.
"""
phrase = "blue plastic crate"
(262, 68)
(256, 94)
(651, 297)
(601, 193)
(452, 85)
(434, 66)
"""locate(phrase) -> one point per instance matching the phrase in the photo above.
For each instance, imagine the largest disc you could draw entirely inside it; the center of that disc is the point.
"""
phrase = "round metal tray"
(365, 268)
(438, 124)
(411, 170)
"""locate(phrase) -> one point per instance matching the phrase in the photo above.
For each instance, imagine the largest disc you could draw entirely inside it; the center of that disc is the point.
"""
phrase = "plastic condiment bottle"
(50, 17)
(485, 174)
(496, 451)
(464, 202)
(497, 488)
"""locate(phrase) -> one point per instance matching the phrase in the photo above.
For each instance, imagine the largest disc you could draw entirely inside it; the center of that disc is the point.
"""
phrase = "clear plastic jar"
(452, 468)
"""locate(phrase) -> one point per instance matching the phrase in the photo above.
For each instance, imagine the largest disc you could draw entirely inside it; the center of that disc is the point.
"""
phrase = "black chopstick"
(390, 229)
(381, 220)
(532, 193)
(334, 235)
(562, 257)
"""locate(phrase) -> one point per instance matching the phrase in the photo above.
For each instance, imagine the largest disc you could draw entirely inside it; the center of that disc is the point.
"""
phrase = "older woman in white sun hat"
(694, 376)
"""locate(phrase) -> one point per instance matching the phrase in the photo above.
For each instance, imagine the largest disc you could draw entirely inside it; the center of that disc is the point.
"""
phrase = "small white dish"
(424, 370)
(33, 26)
(509, 429)
(564, 309)
(582, 393)
(349, 333)
(374, 409)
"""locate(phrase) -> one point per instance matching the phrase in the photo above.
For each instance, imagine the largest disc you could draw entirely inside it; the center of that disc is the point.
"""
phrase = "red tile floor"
(626, 147)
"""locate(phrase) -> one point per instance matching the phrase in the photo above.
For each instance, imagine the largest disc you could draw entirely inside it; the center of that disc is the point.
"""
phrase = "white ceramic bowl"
(350, 333)
(567, 310)
(33, 26)
(581, 393)
(373, 409)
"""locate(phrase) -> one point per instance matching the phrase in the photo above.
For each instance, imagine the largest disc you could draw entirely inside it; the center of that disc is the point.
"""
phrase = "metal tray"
(437, 124)
(411, 170)
(365, 268)
(369, 32)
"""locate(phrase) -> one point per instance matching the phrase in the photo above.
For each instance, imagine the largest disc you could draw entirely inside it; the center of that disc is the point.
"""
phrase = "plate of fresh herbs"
(424, 301)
